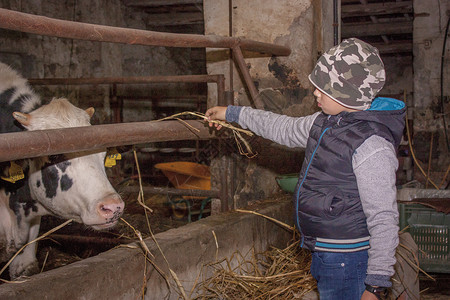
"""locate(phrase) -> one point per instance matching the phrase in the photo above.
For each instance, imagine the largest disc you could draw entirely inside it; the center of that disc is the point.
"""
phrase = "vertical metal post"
(239, 59)
(220, 89)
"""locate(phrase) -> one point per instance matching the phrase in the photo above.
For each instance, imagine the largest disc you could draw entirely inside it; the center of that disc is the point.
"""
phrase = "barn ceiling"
(387, 24)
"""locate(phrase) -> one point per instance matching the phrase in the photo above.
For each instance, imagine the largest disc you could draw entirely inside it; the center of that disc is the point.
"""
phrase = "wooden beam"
(374, 9)
(372, 29)
(394, 47)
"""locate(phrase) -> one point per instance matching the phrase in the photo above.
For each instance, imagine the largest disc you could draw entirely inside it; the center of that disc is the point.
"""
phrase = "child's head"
(351, 73)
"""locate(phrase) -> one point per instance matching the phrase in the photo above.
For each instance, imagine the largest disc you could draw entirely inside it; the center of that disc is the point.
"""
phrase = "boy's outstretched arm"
(282, 129)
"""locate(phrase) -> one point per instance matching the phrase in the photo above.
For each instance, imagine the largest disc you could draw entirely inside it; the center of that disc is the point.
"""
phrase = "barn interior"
(179, 56)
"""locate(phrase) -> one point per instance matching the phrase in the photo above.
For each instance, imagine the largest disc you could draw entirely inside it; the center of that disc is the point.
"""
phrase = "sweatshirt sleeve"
(375, 164)
(284, 130)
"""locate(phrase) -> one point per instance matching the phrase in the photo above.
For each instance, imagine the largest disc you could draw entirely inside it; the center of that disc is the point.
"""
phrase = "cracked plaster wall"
(428, 39)
(281, 81)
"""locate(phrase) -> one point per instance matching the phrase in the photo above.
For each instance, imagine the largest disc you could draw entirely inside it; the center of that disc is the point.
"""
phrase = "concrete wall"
(399, 76)
(282, 81)
(36, 56)
(119, 273)
(429, 31)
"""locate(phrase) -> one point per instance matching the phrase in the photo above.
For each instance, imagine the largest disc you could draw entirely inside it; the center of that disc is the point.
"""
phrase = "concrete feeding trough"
(123, 273)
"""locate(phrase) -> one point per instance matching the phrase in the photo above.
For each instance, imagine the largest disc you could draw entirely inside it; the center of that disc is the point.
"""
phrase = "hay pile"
(274, 274)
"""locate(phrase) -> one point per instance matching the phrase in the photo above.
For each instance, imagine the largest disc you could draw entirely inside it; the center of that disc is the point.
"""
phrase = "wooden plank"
(371, 29)
(394, 47)
(374, 9)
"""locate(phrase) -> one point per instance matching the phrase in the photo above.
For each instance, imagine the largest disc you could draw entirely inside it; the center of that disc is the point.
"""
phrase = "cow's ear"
(22, 118)
(90, 111)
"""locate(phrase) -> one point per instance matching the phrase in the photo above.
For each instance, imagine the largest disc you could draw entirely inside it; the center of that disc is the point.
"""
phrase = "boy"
(345, 200)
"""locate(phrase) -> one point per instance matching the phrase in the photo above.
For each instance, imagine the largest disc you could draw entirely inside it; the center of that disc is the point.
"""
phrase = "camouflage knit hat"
(351, 73)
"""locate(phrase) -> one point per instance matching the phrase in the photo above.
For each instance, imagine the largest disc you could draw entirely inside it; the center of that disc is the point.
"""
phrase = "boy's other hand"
(216, 113)
(368, 296)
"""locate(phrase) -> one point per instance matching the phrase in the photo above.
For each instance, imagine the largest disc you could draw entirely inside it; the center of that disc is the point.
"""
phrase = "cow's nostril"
(111, 207)
(105, 209)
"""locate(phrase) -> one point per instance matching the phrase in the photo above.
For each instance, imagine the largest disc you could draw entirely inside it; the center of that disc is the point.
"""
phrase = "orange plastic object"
(187, 175)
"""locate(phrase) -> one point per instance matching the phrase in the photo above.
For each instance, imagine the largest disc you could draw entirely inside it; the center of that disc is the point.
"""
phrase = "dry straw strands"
(274, 274)
(179, 286)
(236, 131)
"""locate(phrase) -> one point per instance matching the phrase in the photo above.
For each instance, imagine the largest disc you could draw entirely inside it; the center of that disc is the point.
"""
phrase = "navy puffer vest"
(329, 210)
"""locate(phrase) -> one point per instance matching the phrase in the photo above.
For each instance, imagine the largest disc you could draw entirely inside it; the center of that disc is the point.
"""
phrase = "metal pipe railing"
(38, 143)
(126, 80)
(172, 191)
(219, 79)
(239, 58)
(27, 144)
(24, 22)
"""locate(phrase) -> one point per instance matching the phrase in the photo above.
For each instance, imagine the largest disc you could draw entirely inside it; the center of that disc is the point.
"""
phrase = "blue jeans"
(340, 275)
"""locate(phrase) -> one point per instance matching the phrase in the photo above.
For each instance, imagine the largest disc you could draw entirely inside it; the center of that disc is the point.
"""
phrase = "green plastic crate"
(431, 232)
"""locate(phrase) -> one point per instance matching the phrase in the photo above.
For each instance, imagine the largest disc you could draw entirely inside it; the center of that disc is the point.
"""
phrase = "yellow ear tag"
(15, 173)
(111, 158)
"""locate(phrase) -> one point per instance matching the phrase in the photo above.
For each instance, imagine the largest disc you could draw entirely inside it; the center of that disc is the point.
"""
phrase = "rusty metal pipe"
(170, 191)
(239, 59)
(220, 89)
(219, 79)
(19, 21)
(17, 145)
(128, 80)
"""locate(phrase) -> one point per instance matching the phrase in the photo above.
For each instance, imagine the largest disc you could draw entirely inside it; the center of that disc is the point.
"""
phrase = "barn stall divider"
(124, 273)
(219, 80)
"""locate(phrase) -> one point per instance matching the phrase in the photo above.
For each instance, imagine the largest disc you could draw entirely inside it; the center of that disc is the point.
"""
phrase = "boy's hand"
(216, 113)
(368, 296)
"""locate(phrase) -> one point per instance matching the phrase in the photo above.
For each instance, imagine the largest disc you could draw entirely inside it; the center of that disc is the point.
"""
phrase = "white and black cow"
(71, 186)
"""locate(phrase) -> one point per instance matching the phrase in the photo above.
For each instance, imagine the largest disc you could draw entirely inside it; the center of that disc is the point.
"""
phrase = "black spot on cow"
(7, 122)
(66, 182)
(38, 183)
(21, 199)
(50, 179)
(60, 161)
(63, 165)
(6, 96)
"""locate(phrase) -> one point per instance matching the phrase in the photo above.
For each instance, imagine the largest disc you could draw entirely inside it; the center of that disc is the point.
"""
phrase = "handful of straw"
(236, 131)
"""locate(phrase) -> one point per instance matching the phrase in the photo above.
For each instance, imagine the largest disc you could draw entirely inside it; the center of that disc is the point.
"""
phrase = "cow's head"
(74, 185)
